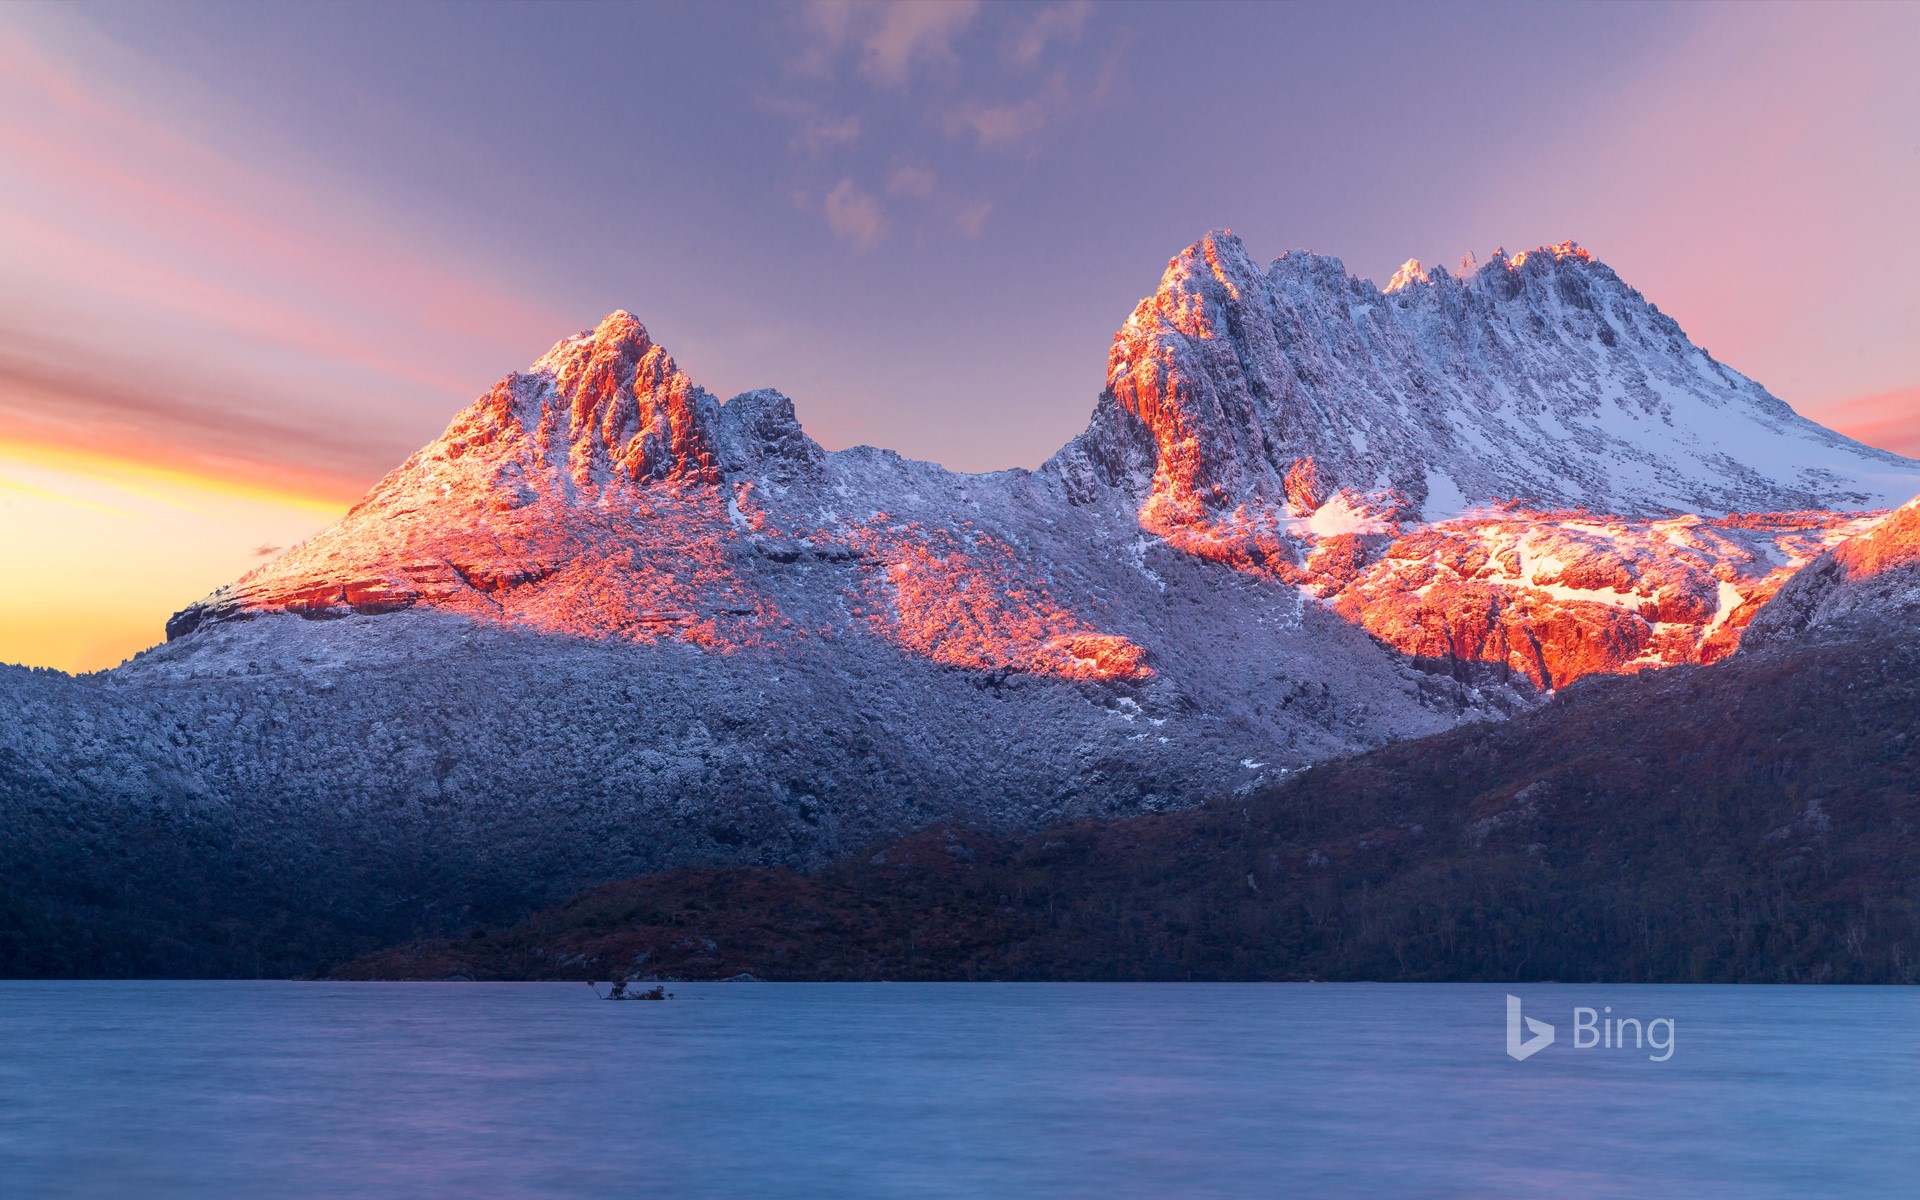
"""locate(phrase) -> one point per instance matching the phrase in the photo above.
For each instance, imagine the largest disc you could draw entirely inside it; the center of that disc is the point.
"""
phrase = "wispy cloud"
(1006, 123)
(53, 495)
(997, 124)
(169, 484)
(1055, 23)
(973, 218)
(889, 39)
(855, 215)
(237, 309)
(1889, 420)
(877, 81)
(111, 156)
(196, 262)
(907, 180)
(87, 400)
(815, 126)
(913, 32)
(827, 130)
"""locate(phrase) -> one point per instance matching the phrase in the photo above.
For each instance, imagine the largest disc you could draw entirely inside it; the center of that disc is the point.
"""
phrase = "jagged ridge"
(607, 623)
(1541, 378)
(1297, 424)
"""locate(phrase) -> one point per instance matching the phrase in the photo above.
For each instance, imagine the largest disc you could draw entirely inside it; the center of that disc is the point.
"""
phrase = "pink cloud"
(1889, 420)
(234, 309)
(1002, 124)
(84, 398)
(202, 264)
(910, 33)
(890, 39)
(907, 180)
(1062, 23)
(111, 149)
(973, 218)
(854, 215)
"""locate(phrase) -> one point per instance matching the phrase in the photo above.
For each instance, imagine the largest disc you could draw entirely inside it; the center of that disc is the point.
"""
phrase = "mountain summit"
(1535, 443)
(1541, 378)
(607, 622)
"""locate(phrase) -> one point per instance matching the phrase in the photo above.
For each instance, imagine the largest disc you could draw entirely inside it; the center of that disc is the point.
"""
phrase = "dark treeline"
(1756, 821)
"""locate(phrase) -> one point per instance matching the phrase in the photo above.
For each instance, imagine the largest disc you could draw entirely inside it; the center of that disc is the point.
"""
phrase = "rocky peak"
(758, 434)
(610, 348)
(1182, 366)
(1540, 377)
(1568, 251)
(612, 403)
(1410, 273)
(609, 407)
(603, 408)
(628, 410)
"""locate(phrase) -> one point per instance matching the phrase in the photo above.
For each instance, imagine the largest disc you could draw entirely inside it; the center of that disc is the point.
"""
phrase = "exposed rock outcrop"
(1868, 584)
(1528, 469)
(607, 623)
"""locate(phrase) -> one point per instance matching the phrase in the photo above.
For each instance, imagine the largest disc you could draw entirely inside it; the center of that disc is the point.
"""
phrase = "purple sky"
(924, 222)
(257, 254)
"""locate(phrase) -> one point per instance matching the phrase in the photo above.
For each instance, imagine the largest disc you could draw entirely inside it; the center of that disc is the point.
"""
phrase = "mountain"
(1757, 821)
(1764, 827)
(1866, 584)
(1541, 378)
(607, 623)
(1530, 467)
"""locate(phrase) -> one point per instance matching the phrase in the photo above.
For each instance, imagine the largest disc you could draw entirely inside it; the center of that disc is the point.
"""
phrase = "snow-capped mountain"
(1542, 377)
(603, 494)
(607, 622)
(1530, 467)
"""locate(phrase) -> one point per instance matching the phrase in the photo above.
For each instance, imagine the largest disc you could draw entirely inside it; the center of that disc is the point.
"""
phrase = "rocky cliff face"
(1530, 468)
(1867, 585)
(602, 494)
(607, 622)
(1555, 596)
(1541, 378)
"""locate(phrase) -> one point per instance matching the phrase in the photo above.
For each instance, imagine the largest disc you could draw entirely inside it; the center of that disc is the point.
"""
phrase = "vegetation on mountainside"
(1757, 821)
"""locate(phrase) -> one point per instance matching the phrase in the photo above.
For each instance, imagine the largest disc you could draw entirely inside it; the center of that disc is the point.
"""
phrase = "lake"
(260, 1089)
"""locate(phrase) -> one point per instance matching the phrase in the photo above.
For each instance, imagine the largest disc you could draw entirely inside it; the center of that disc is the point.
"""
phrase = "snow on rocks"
(1869, 582)
(1306, 517)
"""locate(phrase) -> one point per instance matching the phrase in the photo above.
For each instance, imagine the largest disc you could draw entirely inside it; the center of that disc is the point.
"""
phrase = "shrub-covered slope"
(1756, 821)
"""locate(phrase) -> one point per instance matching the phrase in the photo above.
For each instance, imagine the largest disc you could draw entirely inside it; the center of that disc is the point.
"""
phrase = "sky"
(254, 255)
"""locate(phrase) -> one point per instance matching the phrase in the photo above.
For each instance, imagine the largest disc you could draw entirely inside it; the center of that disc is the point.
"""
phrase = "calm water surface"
(866, 1090)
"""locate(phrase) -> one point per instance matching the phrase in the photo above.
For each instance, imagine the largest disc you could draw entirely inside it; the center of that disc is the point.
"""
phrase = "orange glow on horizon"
(278, 484)
(107, 543)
